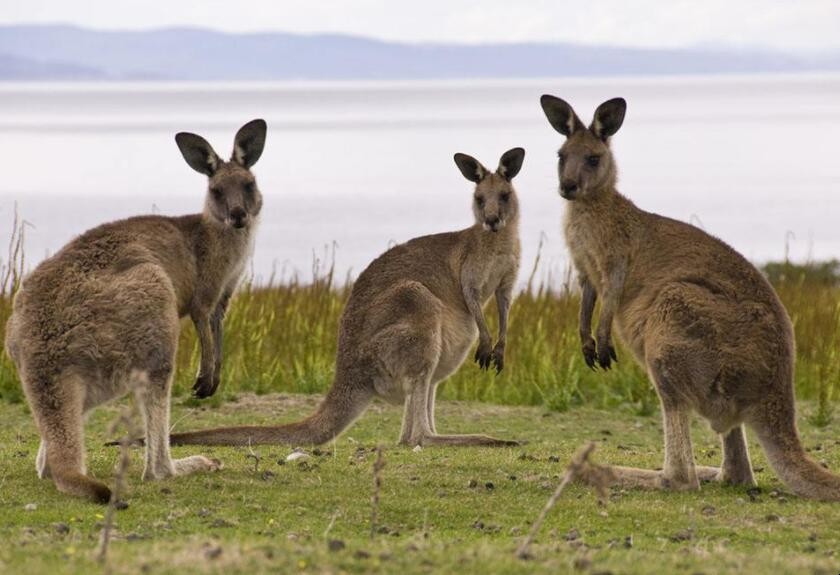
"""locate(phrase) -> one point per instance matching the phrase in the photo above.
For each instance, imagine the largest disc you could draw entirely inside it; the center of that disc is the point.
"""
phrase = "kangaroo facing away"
(101, 317)
(705, 324)
(411, 318)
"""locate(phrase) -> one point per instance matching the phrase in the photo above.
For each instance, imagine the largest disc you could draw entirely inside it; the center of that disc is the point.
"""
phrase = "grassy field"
(441, 510)
(282, 338)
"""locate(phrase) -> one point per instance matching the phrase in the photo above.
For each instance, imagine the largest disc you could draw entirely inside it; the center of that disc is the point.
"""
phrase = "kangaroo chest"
(590, 247)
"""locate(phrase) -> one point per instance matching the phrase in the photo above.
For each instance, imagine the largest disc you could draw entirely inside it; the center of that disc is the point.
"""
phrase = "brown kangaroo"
(101, 317)
(412, 316)
(703, 321)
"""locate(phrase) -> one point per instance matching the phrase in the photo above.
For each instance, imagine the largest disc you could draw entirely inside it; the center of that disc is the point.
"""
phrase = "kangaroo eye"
(505, 197)
(217, 193)
(593, 161)
(479, 201)
(249, 188)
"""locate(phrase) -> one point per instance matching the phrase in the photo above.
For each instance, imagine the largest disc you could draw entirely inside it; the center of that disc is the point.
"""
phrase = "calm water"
(361, 166)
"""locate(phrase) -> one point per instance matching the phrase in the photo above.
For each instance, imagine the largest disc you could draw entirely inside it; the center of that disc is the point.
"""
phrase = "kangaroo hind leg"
(152, 393)
(57, 408)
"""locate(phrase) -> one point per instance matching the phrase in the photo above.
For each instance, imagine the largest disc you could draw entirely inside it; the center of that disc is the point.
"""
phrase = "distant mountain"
(185, 54)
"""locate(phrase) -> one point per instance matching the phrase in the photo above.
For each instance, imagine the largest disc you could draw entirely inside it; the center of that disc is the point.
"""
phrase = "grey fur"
(412, 317)
(701, 319)
(101, 317)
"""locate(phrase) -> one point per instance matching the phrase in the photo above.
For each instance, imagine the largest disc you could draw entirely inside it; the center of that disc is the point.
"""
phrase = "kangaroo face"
(585, 166)
(233, 198)
(494, 199)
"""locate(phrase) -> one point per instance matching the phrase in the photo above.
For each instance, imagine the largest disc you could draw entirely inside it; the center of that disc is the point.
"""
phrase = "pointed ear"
(249, 143)
(470, 167)
(561, 115)
(198, 153)
(511, 163)
(608, 118)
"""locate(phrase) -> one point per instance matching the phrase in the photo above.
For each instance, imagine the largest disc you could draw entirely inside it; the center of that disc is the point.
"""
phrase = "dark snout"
(568, 189)
(238, 218)
(492, 223)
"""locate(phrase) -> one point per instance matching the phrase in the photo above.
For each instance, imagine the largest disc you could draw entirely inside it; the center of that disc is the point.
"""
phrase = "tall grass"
(282, 337)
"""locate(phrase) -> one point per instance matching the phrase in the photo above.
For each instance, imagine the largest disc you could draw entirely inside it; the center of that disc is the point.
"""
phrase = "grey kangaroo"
(705, 324)
(101, 317)
(412, 316)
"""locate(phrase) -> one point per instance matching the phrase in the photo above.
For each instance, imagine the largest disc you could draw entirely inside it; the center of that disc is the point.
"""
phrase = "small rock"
(61, 528)
(120, 505)
(682, 535)
(30, 507)
(628, 542)
(335, 545)
(213, 552)
(203, 512)
(708, 510)
(297, 456)
(417, 448)
(572, 535)
(772, 518)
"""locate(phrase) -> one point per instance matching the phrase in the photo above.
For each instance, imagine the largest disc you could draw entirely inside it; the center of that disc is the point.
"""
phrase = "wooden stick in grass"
(377, 487)
(580, 466)
(127, 419)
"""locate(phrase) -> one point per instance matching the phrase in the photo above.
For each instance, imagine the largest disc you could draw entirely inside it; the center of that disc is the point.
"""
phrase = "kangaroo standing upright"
(703, 321)
(411, 318)
(101, 317)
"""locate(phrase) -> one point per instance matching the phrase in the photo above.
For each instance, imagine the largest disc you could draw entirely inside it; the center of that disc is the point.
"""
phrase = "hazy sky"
(810, 25)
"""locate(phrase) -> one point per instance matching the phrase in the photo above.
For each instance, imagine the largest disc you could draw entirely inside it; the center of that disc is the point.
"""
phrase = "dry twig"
(598, 476)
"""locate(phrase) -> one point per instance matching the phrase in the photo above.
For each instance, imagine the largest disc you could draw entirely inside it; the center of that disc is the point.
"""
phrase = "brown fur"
(701, 319)
(412, 317)
(101, 317)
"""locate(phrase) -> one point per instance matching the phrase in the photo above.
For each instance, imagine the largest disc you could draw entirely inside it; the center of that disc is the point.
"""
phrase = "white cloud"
(780, 24)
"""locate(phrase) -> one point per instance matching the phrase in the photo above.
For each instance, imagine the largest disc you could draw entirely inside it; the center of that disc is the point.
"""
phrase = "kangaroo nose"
(238, 217)
(568, 186)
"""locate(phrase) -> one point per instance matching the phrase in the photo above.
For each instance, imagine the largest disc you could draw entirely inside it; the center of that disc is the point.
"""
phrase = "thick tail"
(777, 433)
(340, 408)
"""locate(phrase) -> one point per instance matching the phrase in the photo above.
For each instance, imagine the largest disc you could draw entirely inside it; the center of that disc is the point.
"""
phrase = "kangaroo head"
(494, 201)
(233, 198)
(586, 166)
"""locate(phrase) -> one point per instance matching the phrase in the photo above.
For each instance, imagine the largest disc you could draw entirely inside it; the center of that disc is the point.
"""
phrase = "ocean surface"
(352, 168)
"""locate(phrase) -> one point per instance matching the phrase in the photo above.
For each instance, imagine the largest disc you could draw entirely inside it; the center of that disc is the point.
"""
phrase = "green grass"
(282, 338)
(436, 512)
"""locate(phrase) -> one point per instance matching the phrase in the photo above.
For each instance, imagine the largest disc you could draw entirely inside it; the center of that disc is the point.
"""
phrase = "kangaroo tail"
(341, 406)
(776, 429)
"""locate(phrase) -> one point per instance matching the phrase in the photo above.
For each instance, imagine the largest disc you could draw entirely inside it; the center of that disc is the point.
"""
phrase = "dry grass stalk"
(128, 421)
(595, 475)
(377, 487)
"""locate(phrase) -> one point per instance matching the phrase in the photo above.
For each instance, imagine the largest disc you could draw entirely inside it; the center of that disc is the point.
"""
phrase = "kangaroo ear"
(561, 115)
(470, 167)
(198, 153)
(249, 143)
(511, 163)
(608, 118)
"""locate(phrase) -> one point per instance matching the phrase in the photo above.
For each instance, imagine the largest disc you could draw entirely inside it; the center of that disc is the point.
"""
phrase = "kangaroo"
(411, 318)
(704, 322)
(101, 317)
